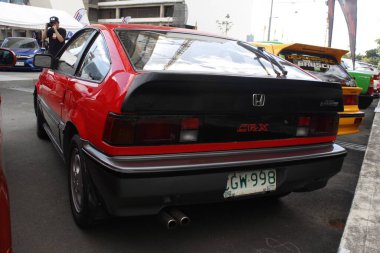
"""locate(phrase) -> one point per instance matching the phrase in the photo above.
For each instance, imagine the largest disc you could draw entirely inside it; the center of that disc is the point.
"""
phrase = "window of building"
(93, 15)
(94, 2)
(168, 11)
(107, 13)
(141, 12)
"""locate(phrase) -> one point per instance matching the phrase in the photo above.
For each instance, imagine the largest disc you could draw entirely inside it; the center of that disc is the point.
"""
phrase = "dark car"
(25, 49)
(7, 59)
(149, 118)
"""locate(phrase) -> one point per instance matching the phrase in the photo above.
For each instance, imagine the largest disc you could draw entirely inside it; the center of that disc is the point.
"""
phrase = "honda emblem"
(258, 100)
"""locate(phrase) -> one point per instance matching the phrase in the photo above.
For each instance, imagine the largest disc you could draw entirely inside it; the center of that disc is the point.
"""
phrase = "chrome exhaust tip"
(167, 220)
(179, 216)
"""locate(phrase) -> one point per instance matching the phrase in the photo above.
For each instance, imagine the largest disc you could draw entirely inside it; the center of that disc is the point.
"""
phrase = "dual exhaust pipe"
(172, 218)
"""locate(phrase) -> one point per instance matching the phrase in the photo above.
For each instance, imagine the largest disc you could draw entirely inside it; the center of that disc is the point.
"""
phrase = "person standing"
(55, 34)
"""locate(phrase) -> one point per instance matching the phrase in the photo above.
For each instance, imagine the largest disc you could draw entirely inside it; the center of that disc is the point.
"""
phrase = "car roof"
(114, 26)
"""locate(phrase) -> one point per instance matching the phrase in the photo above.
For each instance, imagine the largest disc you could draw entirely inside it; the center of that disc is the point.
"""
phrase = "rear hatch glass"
(194, 53)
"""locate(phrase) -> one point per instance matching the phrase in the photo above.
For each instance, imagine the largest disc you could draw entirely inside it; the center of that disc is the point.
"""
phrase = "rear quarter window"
(96, 63)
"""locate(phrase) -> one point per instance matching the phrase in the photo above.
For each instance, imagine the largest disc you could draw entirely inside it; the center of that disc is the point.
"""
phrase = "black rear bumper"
(144, 185)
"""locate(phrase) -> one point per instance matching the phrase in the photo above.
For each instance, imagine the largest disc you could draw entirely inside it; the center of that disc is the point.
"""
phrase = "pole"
(270, 19)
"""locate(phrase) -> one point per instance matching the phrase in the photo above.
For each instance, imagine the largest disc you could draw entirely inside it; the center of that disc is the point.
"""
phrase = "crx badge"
(258, 100)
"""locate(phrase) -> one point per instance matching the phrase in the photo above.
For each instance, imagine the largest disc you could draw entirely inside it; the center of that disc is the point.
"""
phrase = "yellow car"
(324, 63)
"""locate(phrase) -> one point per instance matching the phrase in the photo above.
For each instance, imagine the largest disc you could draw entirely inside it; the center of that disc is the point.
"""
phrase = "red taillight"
(350, 99)
(317, 126)
(370, 90)
(150, 130)
(304, 121)
(156, 131)
(118, 130)
(324, 126)
(190, 124)
(189, 130)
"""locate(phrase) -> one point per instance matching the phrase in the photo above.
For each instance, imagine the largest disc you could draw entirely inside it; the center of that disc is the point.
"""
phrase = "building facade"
(157, 12)
(203, 15)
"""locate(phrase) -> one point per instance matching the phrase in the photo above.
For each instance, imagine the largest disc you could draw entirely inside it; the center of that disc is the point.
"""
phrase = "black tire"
(41, 133)
(79, 186)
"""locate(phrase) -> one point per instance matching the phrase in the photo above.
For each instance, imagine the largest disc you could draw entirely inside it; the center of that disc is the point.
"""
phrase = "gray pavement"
(362, 230)
(17, 76)
(18, 79)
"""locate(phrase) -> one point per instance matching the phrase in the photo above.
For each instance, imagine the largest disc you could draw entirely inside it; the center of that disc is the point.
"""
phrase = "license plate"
(20, 63)
(249, 182)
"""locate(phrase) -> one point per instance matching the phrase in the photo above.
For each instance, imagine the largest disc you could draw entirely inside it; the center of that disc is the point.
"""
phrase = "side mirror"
(7, 58)
(43, 60)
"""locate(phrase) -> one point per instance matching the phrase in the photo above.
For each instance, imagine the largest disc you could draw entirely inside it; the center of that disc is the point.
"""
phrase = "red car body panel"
(5, 219)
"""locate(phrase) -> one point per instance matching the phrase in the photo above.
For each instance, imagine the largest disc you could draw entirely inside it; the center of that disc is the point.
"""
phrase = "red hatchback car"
(147, 118)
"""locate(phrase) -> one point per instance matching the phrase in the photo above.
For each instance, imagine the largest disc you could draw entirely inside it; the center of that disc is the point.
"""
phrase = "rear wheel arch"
(35, 100)
(68, 133)
(76, 124)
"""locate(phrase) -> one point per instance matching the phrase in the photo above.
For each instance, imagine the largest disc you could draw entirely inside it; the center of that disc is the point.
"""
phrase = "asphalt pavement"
(41, 216)
(362, 230)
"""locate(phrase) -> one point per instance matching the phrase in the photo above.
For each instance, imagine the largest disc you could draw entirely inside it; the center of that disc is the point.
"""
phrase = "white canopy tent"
(34, 18)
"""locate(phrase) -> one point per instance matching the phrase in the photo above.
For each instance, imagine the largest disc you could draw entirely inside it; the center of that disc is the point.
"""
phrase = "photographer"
(55, 34)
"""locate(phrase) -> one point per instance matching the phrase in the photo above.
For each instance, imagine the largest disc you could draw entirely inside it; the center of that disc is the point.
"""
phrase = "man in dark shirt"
(56, 36)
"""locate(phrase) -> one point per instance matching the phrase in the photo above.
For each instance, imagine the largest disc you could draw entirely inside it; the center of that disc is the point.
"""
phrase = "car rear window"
(324, 67)
(182, 52)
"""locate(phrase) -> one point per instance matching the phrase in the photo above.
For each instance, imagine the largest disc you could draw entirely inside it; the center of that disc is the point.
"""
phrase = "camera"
(52, 21)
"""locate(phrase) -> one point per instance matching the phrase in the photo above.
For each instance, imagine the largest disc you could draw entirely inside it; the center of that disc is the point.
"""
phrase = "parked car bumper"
(351, 117)
(143, 185)
(25, 64)
(349, 122)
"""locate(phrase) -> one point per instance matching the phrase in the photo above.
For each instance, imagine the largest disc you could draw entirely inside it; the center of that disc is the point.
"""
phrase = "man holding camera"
(55, 34)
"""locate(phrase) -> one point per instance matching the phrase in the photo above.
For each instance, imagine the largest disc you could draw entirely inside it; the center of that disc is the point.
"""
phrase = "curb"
(362, 230)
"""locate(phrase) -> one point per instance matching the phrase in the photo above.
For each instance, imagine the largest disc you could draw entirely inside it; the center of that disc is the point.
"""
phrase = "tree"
(371, 56)
(225, 25)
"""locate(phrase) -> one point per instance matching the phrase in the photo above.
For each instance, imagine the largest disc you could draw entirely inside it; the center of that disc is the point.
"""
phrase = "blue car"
(25, 49)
